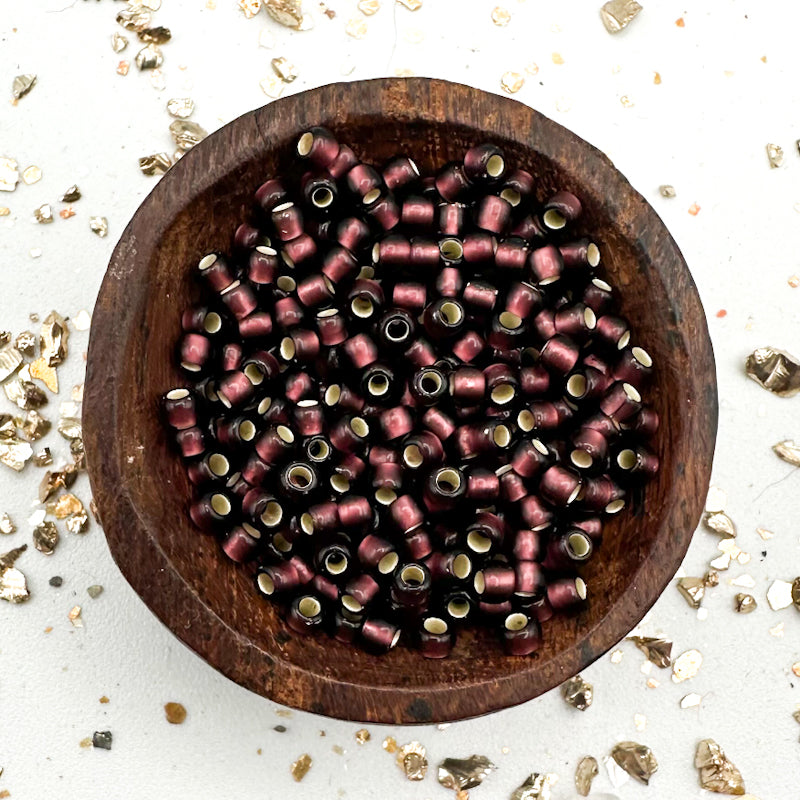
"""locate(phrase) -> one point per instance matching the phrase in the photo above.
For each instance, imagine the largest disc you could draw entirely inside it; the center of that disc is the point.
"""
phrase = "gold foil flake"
(45, 538)
(711, 578)
(460, 774)
(24, 393)
(793, 281)
(43, 214)
(389, 744)
(657, 78)
(70, 427)
(657, 649)
(94, 591)
(301, 767)
(665, 190)
(99, 226)
(43, 458)
(8, 426)
(250, 7)
(44, 373)
(363, 736)
(411, 5)
(777, 631)
(78, 523)
(86, 742)
(157, 80)
(7, 526)
(21, 85)
(15, 454)
(774, 155)
(72, 195)
(180, 107)
(356, 27)
(149, 57)
(272, 87)
(175, 713)
(4, 211)
(618, 14)
(693, 590)
(577, 692)
(789, 451)
(54, 339)
(686, 665)
(26, 343)
(32, 174)
(123, 67)
(118, 42)
(636, 759)
(775, 370)
(501, 16)
(156, 164)
(717, 773)
(796, 669)
(284, 69)
(512, 82)
(10, 361)
(585, 773)
(34, 426)
(719, 523)
(9, 174)
(65, 506)
(13, 586)
(52, 482)
(779, 595)
(616, 656)
(75, 618)
(285, 12)
(532, 68)
(411, 759)
(157, 35)
(368, 7)
(691, 700)
(744, 581)
(134, 18)
(744, 603)
(536, 786)
(187, 133)
(796, 593)
(627, 101)
(557, 58)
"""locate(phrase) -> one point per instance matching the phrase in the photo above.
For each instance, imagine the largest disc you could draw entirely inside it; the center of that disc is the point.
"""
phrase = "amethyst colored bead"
(435, 420)
(452, 182)
(271, 194)
(361, 350)
(339, 264)
(216, 271)
(521, 635)
(493, 214)
(406, 514)
(479, 248)
(410, 296)
(400, 173)
(396, 422)
(435, 639)
(566, 593)
(351, 233)
(581, 254)
(546, 264)
(345, 160)
(305, 615)
(365, 183)
(180, 409)
(485, 163)
(319, 146)
(561, 208)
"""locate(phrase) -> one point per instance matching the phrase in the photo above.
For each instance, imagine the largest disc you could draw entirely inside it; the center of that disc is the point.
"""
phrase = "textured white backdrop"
(702, 129)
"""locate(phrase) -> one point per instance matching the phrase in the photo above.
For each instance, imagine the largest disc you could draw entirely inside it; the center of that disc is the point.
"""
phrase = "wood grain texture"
(142, 491)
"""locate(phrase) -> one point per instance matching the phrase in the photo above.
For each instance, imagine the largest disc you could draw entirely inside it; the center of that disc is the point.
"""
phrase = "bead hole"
(177, 394)
(388, 563)
(615, 506)
(359, 427)
(642, 356)
(254, 374)
(458, 609)
(307, 523)
(516, 622)
(339, 483)
(435, 625)
(265, 583)
(397, 330)
(626, 459)
(322, 197)
(511, 196)
(319, 450)
(247, 430)
(581, 459)
(593, 256)
(212, 322)
(309, 607)
(221, 505)
(576, 385)
(579, 545)
(462, 566)
(285, 434)
(207, 261)
(304, 144)
(430, 383)
(351, 604)
(378, 385)
(495, 166)
(287, 349)
(218, 464)
(501, 436)
(273, 514)
(251, 531)
(451, 249)
(502, 394)
(452, 313)
(631, 392)
(281, 543)
(526, 421)
(336, 563)
(332, 394)
(478, 543)
(371, 196)
(385, 496)
(580, 588)
(554, 219)
(412, 575)
(362, 307)
(286, 283)
(300, 477)
(510, 320)
(412, 456)
(448, 481)
(479, 582)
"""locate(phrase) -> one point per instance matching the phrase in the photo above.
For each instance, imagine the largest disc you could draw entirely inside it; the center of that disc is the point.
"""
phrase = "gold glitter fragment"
(41, 371)
(250, 7)
(626, 101)
(123, 67)
(691, 700)
(744, 603)
(585, 773)
(157, 35)
(460, 774)
(82, 322)
(775, 155)
(532, 68)
(796, 668)
(180, 107)
(616, 656)
(52, 482)
(657, 78)
(658, 649)
(284, 69)
(719, 523)
(187, 133)
(356, 27)
(686, 665)
(134, 18)
(301, 767)
(789, 451)
(66, 213)
(775, 370)
(368, 7)
(9, 174)
(711, 578)
(411, 5)
(149, 57)
(512, 82)
(285, 12)
(65, 506)
(363, 736)
(72, 195)
(32, 174)
(389, 744)
(411, 759)
(118, 42)
(536, 786)
(94, 591)
(8, 426)
(272, 87)
(21, 85)
(716, 500)
(15, 454)
(694, 209)
(338, 749)
(557, 58)
(155, 164)
(794, 281)
(717, 772)
(74, 617)
(99, 226)
(779, 595)
(777, 631)
(501, 16)
(636, 759)
(10, 360)
(7, 526)
(4, 211)
(693, 590)
(175, 713)
(745, 581)
(85, 743)
(70, 427)
(157, 80)
(13, 586)
(577, 693)
(44, 214)
(78, 523)
(618, 14)
(33, 426)
(45, 538)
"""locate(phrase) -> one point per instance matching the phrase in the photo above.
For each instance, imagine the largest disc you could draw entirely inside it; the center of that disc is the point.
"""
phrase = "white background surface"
(703, 129)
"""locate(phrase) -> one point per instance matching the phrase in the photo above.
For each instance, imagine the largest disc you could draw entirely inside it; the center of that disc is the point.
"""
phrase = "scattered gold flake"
(15, 454)
(686, 665)
(796, 593)
(175, 713)
(118, 42)
(585, 773)
(9, 174)
(691, 700)
(74, 617)
(99, 226)
(557, 58)
(411, 759)
(155, 164)
(4, 211)
(44, 214)
(272, 87)
(65, 506)
(512, 82)
(32, 174)
(779, 595)
(694, 209)
(40, 370)
(33, 426)
(85, 743)
(180, 107)
(716, 500)
(157, 80)
(78, 523)
(777, 631)
(10, 360)
(356, 27)
(123, 67)
(22, 392)
(532, 68)
(66, 213)
(43, 458)
(693, 590)
(301, 767)
(680, 23)
(711, 578)
(135, 18)
(54, 340)
(636, 759)
(616, 656)
(157, 35)
(789, 451)
(652, 683)
(775, 155)
(796, 668)
(72, 195)
(578, 693)
(640, 722)
(338, 749)
(13, 586)
(411, 5)
(21, 85)
(286, 12)
(7, 526)
(363, 736)
(618, 14)
(284, 69)
(460, 774)
(501, 16)
(536, 786)
(250, 7)
(717, 772)
(720, 523)
(775, 370)
(104, 700)
(389, 744)
(657, 78)
(744, 581)
(368, 7)
(658, 649)
(45, 538)
(626, 101)
(186, 133)
(149, 57)
(744, 603)
(82, 322)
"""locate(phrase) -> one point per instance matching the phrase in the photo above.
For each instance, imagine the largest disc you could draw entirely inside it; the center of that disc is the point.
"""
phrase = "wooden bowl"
(140, 486)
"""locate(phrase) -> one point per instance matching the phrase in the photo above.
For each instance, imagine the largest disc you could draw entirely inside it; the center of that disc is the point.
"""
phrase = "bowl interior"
(151, 280)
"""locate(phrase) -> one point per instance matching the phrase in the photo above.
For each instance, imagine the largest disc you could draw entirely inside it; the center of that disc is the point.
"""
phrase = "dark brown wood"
(142, 491)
